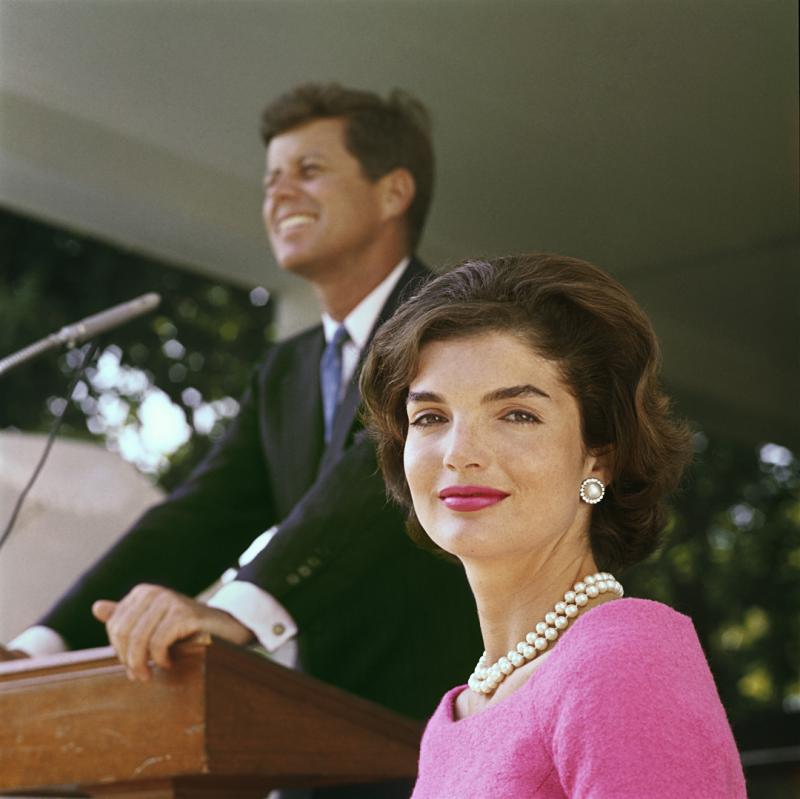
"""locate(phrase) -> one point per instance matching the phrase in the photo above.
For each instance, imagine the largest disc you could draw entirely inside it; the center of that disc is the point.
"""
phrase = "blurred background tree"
(163, 388)
(731, 561)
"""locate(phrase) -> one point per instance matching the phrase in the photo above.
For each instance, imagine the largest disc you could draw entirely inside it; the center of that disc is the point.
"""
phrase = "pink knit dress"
(624, 707)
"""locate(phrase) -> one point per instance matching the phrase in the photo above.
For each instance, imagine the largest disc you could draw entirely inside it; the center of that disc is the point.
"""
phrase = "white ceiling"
(657, 138)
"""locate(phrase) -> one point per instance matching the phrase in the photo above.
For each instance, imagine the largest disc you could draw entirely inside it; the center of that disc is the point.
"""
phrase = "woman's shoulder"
(636, 668)
(628, 634)
(641, 641)
(632, 608)
(632, 624)
(641, 656)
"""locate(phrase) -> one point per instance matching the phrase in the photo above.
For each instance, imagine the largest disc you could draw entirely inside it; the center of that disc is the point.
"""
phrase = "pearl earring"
(592, 490)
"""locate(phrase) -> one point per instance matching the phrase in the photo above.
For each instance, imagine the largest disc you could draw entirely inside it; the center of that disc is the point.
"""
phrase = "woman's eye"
(521, 417)
(427, 419)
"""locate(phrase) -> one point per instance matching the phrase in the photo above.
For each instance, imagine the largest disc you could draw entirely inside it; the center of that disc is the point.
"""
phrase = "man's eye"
(309, 170)
(521, 417)
(427, 419)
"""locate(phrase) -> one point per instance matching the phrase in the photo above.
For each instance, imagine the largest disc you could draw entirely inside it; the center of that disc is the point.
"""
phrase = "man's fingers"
(103, 609)
(146, 623)
(140, 637)
(176, 625)
(118, 627)
(150, 619)
(112, 614)
(124, 618)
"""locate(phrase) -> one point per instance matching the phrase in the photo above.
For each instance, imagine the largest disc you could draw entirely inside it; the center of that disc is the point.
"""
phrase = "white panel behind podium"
(83, 499)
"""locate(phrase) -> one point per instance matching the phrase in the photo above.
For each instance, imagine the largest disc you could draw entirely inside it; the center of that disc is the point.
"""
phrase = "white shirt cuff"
(38, 641)
(258, 611)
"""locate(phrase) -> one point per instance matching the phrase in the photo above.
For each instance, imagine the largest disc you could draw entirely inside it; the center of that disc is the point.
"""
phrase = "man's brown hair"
(381, 134)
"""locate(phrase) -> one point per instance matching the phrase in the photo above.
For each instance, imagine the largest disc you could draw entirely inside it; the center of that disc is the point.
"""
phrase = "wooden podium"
(222, 722)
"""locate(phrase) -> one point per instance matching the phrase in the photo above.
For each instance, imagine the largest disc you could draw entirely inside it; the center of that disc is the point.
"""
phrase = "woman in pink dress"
(519, 419)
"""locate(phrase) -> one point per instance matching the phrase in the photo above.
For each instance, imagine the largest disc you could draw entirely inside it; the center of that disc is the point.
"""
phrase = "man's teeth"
(294, 221)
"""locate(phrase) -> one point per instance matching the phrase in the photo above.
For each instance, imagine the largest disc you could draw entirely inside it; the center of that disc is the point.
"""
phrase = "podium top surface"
(76, 719)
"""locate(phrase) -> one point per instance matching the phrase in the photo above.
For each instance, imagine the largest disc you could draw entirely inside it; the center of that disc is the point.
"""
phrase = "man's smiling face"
(319, 208)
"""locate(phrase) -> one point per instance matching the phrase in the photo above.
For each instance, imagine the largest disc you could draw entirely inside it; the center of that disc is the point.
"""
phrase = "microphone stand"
(51, 437)
(52, 341)
(70, 335)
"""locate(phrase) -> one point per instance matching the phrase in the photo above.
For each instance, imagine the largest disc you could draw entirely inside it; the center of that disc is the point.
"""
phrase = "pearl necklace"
(485, 679)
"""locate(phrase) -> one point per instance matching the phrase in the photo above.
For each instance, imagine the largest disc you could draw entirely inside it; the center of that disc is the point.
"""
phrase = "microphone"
(85, 329)
(107, 320)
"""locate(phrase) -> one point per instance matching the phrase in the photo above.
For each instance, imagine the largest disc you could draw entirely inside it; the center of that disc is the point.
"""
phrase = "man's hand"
(11, 654)
(146, 622)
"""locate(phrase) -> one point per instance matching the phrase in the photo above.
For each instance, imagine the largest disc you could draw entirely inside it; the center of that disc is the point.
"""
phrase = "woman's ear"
(397, 192)
(601, 464)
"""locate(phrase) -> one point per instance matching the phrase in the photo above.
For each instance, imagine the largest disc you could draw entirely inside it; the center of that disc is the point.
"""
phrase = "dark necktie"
(330, 372)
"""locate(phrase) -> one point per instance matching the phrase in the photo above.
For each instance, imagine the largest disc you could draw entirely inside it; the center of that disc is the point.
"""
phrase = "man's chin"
(297, 263)
(290, 259)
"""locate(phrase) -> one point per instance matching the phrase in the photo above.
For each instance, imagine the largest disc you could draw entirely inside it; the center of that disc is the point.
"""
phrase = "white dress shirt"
(258, 610)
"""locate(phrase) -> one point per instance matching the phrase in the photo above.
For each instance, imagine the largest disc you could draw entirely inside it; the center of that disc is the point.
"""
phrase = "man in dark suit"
(347, 188)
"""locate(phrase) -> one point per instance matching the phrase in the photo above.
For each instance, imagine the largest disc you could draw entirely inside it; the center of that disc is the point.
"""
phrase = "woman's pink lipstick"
(470, 498)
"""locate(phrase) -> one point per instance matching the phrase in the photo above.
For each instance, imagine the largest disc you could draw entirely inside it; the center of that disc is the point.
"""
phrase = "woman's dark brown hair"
(576, 315)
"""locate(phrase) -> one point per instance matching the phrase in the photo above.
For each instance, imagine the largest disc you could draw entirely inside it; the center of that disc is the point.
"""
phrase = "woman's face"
(494, 455)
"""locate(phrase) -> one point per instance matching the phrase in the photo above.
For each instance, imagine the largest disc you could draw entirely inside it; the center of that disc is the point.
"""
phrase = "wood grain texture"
(222, 721)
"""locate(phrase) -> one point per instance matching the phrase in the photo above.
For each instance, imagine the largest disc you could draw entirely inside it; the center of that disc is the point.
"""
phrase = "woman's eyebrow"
(512, 392)
(422, 396)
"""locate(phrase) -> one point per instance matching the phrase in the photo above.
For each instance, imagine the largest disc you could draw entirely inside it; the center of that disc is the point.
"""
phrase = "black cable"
(87, 358)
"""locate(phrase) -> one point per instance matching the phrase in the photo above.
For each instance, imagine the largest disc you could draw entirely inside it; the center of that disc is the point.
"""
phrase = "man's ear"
(397, 190)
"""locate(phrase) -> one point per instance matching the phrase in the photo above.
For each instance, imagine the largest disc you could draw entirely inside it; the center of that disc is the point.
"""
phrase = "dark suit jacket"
(376, 615)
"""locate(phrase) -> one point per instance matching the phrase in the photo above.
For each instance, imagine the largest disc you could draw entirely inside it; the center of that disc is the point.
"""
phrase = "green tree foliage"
(198, 348)
(732, 562)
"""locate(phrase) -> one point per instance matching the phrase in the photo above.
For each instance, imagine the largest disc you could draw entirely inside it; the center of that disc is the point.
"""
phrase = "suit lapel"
(346, 415)
(300, 427)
